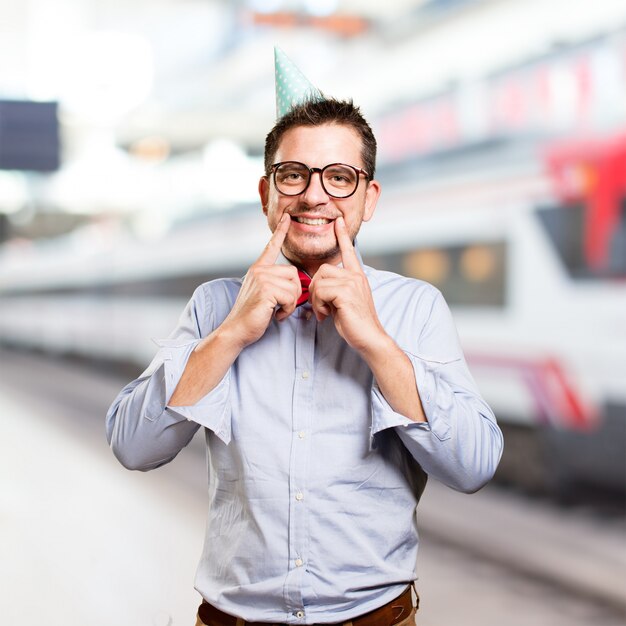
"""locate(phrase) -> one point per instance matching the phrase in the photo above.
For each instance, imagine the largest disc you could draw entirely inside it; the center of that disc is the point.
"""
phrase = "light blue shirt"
(313, 478)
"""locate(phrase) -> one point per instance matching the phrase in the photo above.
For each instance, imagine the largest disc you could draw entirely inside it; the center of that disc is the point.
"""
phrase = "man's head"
(319, 133)
(316, 113)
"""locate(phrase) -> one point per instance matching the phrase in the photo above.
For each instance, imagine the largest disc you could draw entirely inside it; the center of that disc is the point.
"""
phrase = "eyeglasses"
(338, 179)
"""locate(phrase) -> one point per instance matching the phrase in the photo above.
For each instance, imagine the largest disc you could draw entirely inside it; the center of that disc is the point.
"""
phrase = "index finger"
(274, 245)
(348, 253)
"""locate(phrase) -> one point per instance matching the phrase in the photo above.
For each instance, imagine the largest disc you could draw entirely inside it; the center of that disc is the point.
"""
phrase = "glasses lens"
(291, 178)
(340, 180)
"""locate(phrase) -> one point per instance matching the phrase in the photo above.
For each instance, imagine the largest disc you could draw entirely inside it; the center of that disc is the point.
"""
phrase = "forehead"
(319, 145)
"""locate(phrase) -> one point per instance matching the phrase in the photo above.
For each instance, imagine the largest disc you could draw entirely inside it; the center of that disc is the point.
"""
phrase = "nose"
(314, 193)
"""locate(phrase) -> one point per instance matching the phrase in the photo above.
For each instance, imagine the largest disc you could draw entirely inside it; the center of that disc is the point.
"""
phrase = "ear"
(264, 192)
(372, 193)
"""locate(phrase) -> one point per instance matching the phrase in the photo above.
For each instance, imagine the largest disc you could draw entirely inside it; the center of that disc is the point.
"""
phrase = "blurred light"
(265, 6)
(478, 263)
(51, 30)
(13, 192)
(563, 90)
(231, 176)
(106, 75)
(321, 8)
(101, 178)
(430, 265)
(150, 149)
(608, 72)
(150, 225)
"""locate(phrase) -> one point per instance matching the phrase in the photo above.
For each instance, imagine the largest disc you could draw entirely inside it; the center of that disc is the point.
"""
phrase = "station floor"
(84, 541)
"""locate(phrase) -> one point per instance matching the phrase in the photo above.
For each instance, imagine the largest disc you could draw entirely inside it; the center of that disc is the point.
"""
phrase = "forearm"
(395, 377)
(207, 366)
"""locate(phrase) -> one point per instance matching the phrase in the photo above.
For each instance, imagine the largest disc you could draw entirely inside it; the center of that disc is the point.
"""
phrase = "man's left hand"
(344, 293)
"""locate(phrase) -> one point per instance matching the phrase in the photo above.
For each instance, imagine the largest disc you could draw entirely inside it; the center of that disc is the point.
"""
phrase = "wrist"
(378, 346)
(226, 338)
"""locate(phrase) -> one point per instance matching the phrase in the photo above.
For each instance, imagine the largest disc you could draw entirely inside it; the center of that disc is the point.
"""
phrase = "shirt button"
(300, 614)
(305, 374)
(307, 315)
(299, 562)
(301, 435)
(299, 496)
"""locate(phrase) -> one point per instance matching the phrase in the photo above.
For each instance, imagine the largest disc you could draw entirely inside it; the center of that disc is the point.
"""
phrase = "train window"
(589, 248)
(432, 266)
(472, 275)
(478, 263)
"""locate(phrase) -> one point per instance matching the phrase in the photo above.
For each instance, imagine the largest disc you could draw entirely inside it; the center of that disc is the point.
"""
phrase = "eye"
(291, 173)
(340, 176)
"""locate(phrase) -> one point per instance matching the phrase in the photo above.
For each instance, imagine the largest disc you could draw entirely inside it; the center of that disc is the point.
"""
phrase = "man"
(322, 418)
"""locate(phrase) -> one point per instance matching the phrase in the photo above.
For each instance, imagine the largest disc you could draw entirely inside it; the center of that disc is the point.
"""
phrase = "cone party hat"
(292, 86)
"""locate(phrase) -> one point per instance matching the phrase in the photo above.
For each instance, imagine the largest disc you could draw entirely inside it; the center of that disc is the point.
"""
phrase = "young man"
(322, 417)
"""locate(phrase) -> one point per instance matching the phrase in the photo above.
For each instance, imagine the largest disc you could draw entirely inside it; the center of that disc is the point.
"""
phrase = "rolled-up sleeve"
(460, 444)
(143, 430)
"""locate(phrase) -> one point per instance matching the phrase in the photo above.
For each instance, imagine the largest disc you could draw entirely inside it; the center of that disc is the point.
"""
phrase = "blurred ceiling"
(185, 69)
(193, 70)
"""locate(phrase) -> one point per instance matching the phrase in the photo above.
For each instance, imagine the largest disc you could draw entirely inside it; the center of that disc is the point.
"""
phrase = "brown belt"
(391, 613)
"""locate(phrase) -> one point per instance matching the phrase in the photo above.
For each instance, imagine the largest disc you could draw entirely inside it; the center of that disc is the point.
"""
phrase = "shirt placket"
(298, 463)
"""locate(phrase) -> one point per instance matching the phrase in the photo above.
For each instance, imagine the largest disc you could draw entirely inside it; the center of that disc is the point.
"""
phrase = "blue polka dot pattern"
(292, 86)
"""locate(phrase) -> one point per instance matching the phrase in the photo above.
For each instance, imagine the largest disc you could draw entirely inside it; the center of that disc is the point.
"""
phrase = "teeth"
(316, 222)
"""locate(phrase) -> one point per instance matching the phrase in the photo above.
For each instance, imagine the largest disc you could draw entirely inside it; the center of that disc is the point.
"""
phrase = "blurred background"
(131, 141)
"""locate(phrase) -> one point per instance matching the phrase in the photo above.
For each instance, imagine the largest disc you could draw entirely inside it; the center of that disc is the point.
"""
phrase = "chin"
(312, 253)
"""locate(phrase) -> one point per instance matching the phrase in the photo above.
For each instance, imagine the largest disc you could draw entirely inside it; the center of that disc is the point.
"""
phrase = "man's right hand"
(268, 290)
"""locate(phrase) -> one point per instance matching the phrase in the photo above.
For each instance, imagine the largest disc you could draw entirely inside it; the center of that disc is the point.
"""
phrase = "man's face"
(311, 244)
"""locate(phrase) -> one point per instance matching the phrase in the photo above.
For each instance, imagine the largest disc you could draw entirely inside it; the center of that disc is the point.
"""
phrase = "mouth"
(310, 221)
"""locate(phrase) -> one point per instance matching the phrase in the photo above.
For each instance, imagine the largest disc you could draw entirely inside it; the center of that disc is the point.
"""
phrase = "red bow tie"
(305, 281)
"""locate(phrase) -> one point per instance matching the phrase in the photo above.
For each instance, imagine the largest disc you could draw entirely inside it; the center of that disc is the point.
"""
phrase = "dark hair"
(316, 113)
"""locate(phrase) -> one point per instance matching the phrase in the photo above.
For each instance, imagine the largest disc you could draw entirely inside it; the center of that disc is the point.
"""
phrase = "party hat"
(292, 86)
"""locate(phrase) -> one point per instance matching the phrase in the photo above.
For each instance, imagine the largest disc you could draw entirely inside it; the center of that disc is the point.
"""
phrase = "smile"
(318, 221)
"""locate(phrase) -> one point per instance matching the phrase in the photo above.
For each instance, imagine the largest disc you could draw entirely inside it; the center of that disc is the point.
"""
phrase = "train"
(526, 240)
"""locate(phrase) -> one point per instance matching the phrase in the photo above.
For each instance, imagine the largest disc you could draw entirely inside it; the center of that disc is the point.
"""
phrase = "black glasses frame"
(319, 170)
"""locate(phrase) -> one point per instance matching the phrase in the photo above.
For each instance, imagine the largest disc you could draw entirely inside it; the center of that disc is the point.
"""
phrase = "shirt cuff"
(434, 402)
(213, 410)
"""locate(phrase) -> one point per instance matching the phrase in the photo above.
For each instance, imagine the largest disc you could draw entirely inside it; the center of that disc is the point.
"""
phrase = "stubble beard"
(296, 252)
